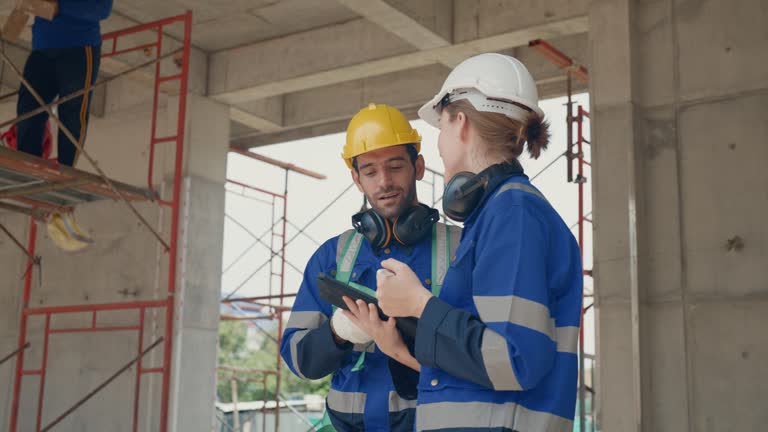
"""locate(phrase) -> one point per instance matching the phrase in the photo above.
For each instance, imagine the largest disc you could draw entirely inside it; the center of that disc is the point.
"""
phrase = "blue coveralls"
(498, 348)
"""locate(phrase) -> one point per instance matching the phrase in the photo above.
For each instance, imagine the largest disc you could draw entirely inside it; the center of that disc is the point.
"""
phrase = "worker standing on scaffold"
(65, 58)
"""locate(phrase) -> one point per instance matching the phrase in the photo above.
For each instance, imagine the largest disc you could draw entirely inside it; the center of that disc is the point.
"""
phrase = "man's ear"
(420, 167)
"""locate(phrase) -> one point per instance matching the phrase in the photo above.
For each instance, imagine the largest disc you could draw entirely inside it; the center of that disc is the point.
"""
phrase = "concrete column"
(678, 91)
(615, 202)
(199, 273)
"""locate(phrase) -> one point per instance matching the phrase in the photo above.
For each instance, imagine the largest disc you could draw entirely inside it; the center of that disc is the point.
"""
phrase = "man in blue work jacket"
(370, 390)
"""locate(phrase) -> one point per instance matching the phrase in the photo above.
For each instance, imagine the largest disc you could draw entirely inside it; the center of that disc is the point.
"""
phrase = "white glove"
(347, 330)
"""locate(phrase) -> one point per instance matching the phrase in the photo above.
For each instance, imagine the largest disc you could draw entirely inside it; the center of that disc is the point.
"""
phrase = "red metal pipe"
(259, 307)
(581, 74)
(580, 152)
(551, 53)
(143, 27)
(95, 307)
(569, 129)
(277, 163)
(579, 133)
(43, 370)
(135, 48)
(235, 369)
(165, 139)
(276, 195)
(244, 318)
(282, 292)
(137, 390)
(264, 407)
(43, 204)
(155, 102)
(560, 59)
(94, 329)
(153, 370)
(250, 299)
(251, 307)
(23, 329)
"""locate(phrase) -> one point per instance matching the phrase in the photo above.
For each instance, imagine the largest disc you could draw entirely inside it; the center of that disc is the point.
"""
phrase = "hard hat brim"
(430, 113)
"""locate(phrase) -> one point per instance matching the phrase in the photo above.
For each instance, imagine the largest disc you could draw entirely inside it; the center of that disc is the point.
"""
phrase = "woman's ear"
(462, 126)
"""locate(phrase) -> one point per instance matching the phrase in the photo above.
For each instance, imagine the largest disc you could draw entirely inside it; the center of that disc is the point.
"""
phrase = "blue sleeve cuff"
(327, 330)
(318, 353)
(323, 337)
(426, 332)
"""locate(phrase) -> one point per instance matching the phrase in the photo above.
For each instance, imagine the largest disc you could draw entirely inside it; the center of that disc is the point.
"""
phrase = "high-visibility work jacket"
(498, 348)
(362, 395)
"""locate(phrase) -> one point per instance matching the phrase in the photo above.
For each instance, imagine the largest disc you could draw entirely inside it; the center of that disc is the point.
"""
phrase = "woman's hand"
(399, 291)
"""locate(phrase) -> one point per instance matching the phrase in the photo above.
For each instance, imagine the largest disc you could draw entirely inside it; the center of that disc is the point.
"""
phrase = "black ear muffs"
(462, 195)
(465, 191)
(373, 227)
(408, 229)
(414, 224)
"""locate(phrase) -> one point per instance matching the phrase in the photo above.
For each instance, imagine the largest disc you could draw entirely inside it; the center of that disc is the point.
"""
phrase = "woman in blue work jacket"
(498, 347)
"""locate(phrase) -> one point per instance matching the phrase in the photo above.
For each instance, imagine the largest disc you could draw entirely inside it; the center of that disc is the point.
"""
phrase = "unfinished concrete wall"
(127, 264)
(680, 97)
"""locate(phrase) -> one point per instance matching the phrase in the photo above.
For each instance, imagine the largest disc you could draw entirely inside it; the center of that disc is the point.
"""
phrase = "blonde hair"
(503, 135)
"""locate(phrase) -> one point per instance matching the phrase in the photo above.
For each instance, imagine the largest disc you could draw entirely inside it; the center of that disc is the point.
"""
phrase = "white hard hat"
(490, 82)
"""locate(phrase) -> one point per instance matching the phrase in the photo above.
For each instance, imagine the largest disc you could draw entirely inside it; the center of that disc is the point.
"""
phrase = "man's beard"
(407, 201)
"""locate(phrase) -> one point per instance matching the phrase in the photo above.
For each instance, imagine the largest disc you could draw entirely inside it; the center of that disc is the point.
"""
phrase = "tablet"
(332, 291)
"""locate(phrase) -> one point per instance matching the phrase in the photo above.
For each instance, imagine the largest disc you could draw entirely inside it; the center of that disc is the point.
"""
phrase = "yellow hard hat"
(376, 127)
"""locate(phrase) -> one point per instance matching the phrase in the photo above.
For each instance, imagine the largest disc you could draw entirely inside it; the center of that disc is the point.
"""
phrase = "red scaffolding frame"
(120, 44)
(581, 117)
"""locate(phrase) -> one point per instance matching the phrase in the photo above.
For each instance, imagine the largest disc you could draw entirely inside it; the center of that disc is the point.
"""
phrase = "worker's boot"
(66, 233)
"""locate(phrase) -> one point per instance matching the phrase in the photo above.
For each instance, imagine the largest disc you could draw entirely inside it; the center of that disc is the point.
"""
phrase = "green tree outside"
(233, 351)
